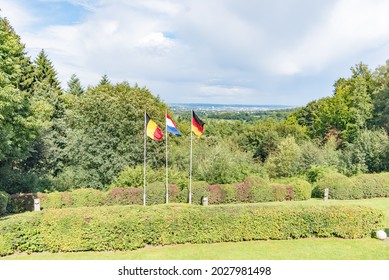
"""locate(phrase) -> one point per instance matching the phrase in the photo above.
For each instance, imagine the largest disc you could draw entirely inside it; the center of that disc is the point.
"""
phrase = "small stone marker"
(37, 204)
(326, 192)
(205, 201)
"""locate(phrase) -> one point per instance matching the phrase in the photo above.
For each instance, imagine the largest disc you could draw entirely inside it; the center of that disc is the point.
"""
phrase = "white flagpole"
(167, 162)
(190, 168)
(144, 163)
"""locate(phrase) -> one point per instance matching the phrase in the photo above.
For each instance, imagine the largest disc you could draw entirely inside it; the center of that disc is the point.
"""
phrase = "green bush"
(131, 227)
(371, 185)
(156, 193)
(125, 196)
(4, 199)
(357, 187)
(259, 190)
(199, 190)
(229, 193)
(340, 187)
(55, 200)
(302, 190)
(87, 198)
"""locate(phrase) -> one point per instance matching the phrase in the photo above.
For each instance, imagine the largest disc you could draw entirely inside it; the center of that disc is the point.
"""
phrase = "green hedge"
(131, 227)
(356, 187)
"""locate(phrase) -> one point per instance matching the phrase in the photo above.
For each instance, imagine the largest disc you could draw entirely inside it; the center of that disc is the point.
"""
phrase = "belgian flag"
(197, 125)
(153, 130)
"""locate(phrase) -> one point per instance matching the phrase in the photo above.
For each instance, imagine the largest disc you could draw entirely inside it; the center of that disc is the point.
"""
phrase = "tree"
(347, 111)
(105, 134)
(17, 127)
(15, 66)
(74, 86)
(104, 80)
(284, 162)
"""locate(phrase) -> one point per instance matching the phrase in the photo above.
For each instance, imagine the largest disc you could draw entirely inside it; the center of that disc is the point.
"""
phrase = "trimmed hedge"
(21, 203)
(357, 187)
(132, 227)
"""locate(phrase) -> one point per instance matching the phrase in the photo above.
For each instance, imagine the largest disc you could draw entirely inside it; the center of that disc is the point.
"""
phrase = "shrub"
(174, 194)
(229, 193)
(4, 199)
(316, 173)
(125, 196)
(302, 190)
(55, 200)
(87, 198)
(340, 187)
(259, 190)
(200, 189)
(216, 195)
(156, 193)
(221, 194)
(371, 185)
(131, 227)
(279, 191)
(21, 203)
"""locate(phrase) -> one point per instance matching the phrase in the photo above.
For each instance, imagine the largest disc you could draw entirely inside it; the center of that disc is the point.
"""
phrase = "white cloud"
(350, 28)
(20, 18)
(217, 49)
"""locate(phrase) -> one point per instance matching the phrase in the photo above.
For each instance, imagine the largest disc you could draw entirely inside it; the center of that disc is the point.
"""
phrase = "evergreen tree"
(104, 80)
(74, 86)
(17, 127)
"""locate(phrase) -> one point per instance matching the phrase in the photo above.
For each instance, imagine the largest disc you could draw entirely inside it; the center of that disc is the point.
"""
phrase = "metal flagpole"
(144, 163)
(167, 162)
(190, 168)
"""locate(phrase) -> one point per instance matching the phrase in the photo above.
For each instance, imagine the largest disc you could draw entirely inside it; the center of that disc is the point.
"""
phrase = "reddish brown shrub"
(125, 196)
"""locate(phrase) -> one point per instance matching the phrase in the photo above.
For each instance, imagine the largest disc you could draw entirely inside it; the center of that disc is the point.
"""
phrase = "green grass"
(301, 249)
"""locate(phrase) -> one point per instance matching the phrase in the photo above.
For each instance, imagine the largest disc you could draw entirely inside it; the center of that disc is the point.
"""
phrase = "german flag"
(152, 129)
(197, 125)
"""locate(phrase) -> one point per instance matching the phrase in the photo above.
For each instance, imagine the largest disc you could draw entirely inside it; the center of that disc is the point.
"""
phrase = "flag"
(153, 130)
(171, 126)
(197, 125)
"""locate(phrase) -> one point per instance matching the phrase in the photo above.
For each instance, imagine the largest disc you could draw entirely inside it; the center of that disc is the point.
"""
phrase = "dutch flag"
(171, 126)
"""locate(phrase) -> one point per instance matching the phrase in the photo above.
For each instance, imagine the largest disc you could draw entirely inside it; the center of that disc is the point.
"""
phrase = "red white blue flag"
(171, 126)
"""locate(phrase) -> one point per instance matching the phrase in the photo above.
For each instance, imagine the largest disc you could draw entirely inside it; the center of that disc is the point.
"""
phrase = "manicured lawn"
(301, 249)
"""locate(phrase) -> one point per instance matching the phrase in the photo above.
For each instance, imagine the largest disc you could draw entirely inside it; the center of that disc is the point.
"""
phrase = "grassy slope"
(285, 249)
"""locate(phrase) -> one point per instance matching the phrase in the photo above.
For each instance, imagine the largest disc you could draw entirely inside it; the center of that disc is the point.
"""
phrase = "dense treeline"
(64, 139)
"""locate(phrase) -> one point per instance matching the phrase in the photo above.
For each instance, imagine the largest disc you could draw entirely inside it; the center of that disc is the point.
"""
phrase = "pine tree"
(104, 80)
(74, 86)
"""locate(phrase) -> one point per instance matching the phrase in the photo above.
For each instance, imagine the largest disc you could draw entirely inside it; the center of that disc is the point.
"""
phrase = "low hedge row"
(254, 189)
(131, 227)
(356, 187)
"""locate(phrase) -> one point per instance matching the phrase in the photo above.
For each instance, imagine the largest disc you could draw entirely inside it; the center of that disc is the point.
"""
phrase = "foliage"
(284, 162)
(15, 181)
(125, 196)
(21, 203)
(300, 189)
(200, 189)
(258, 189)
(106, 132)
(87, 198)
(340, 187)
(132, 227)
(367, 153)
(262, 138)
(4, 200)
(74, 86)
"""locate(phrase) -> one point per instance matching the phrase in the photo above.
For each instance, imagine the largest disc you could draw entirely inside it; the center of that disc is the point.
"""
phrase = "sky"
(281, 52)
